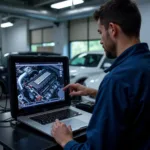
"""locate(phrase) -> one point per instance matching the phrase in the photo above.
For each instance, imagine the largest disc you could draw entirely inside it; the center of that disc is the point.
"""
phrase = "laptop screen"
(39, 83)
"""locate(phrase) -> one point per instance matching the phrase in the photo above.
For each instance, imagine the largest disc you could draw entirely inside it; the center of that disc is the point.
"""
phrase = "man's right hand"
(80, 90)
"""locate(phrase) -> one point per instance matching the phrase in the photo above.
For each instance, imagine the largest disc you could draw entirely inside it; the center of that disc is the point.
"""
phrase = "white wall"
(60, 34)
(36, 24)
(145, 28)
(15, 38)
(61, 39)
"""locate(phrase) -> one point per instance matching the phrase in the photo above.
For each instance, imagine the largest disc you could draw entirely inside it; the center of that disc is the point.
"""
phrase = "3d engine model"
(37, 84)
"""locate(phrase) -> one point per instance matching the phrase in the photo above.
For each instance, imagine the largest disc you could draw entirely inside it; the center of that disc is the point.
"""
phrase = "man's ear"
(113, 29)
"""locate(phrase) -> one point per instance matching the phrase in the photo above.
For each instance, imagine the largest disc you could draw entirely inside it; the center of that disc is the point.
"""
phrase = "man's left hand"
(61, 133)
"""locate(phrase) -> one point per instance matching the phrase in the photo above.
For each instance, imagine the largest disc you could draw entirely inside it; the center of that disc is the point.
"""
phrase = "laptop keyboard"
(51, 117)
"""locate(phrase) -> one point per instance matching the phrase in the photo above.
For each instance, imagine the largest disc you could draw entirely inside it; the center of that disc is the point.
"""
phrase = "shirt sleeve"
(107, 127)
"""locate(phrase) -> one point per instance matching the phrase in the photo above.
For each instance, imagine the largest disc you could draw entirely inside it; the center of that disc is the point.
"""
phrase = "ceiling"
(40, 9)
(44, 4)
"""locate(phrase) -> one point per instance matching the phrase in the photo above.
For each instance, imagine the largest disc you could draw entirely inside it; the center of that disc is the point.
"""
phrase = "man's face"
(107, 41)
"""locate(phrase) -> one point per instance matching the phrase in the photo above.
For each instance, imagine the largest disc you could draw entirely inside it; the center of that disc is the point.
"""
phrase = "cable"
(6, 102)
(3, 123)
(1, 94)
(5, 126)
(7, 120)
(4, 108)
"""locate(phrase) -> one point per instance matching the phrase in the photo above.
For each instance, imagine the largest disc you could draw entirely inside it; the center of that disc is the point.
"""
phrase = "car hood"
(73, 70)
(94, 80)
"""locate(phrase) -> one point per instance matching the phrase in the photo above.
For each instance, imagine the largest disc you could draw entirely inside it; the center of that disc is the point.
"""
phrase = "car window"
(107, 63)
(87, 60)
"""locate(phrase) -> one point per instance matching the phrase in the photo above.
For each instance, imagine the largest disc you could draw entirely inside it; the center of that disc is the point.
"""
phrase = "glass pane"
(93, 60)
(95, 45)
(34, 47)
(107, 63)
(87, 60)
(49, 44)
(77, 47)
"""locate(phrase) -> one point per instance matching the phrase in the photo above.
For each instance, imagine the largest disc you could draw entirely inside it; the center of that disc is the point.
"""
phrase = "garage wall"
(15, 38)
(145, 28)
(36, 24)
(60, 34)
(61, 39)
(79, 29)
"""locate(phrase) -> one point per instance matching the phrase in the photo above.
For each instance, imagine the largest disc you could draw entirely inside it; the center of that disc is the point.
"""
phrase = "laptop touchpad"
(75, 124)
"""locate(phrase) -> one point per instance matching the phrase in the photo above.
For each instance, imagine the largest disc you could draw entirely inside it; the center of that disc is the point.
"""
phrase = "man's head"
(117, 19)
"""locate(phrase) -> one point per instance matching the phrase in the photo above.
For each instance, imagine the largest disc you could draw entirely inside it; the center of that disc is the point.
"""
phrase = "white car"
(86, 64)
(93, 82)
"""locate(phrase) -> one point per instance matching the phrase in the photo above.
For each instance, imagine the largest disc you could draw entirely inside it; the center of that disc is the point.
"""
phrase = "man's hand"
(80, 90)
(61, 133)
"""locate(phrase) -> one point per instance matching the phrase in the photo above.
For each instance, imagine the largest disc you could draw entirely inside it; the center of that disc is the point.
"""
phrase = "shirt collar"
(137, 48)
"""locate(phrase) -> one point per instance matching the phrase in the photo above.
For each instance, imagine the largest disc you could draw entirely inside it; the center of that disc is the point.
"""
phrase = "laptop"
(37, 98)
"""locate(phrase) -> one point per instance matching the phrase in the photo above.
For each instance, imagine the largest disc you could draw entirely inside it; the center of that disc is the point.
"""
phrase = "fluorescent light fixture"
(66, 3)
(6, 24)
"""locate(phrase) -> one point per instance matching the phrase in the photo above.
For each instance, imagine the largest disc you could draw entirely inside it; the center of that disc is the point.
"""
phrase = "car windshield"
(86, 60)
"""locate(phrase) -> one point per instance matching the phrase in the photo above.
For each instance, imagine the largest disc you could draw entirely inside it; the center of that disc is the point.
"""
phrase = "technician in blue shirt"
(121, 117)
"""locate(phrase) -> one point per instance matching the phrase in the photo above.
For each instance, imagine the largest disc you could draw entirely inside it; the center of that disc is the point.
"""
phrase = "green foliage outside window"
(78, 47)
(35, 46)
(95, 45)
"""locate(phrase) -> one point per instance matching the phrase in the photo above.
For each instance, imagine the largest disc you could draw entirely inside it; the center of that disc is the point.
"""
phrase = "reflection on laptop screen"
(39, 84)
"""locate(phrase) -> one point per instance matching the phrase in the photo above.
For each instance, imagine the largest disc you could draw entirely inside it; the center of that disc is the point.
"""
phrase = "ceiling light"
(66, 3)
(6, 24)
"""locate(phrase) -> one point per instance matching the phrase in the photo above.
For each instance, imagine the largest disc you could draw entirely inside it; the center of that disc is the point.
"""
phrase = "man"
(121, 117)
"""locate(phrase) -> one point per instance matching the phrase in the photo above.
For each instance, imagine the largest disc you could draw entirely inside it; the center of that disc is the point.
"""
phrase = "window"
(34, 47)
(84, 36)
(49, 44)
(77, 47)
(107, 63)
(95, 45)
(87, 60)
(42, 39)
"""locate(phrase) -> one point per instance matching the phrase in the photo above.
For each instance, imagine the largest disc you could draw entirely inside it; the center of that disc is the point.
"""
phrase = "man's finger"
(66, 87)
(70, 129)
(69, 86)
(75, 93)
(57, 121)
(54, 125)
(52, 133)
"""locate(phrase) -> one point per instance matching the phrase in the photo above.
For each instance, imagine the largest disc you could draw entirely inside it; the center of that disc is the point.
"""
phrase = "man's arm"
(92, 92)
(80, 90)
(108, 123)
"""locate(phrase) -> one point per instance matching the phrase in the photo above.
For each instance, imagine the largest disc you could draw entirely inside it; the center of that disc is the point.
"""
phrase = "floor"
(3, 104)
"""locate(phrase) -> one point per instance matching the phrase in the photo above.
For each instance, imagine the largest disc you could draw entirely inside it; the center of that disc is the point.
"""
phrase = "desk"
(22, 137)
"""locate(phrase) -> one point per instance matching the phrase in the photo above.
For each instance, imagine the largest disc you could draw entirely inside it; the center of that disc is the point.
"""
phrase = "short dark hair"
(125, 13)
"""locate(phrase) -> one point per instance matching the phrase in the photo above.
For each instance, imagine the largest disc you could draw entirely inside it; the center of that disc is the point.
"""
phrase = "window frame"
(88, 45)
(30, 40)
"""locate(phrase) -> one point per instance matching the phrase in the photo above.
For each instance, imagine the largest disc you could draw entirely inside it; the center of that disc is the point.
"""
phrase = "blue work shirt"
(121, 117)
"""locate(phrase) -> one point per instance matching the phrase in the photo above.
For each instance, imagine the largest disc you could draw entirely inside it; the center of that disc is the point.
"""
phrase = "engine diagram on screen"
(39, 84)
